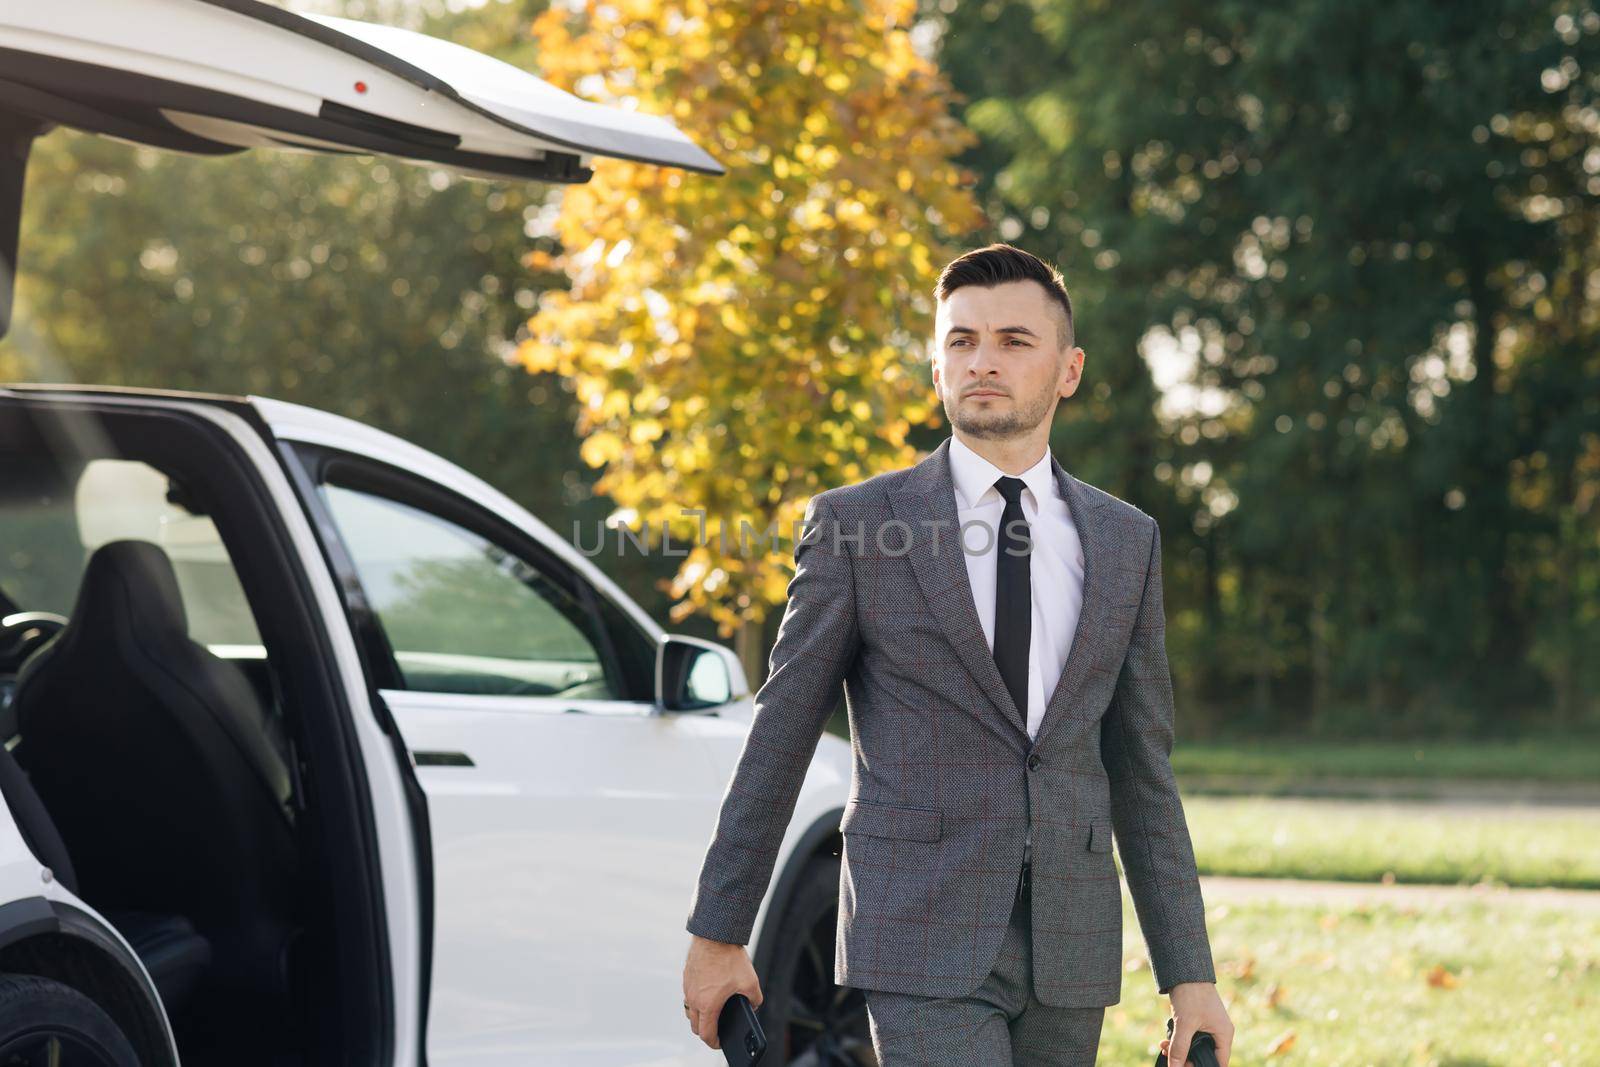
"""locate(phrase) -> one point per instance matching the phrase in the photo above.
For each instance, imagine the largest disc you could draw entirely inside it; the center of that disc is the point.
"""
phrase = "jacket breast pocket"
(890, 820)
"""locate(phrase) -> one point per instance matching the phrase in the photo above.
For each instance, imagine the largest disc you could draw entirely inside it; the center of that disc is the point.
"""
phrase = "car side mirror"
(694, 675)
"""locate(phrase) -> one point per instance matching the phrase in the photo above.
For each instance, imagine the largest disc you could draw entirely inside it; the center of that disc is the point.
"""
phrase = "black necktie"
(1013, 595)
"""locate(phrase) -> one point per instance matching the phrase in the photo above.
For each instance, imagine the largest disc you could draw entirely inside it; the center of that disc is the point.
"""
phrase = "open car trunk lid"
(219, 76)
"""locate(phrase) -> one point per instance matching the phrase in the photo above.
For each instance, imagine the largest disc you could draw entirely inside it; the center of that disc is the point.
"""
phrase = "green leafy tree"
(1340, 223)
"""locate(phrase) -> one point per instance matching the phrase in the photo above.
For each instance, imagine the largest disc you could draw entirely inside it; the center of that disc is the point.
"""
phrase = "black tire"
(809, 1021)
(43, 1022)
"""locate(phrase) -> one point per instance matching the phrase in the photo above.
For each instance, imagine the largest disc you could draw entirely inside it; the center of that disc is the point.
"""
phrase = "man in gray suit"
(998, 628)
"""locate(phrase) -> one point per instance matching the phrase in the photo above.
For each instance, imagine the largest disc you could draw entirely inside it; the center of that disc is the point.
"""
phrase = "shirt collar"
(974, 476)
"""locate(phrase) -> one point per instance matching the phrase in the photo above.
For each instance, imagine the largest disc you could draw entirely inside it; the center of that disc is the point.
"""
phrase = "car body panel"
(392, 823)
(233, 74)
(559, 860)
(564, 859)
(566, 852)
(23, 877)
(219, 76)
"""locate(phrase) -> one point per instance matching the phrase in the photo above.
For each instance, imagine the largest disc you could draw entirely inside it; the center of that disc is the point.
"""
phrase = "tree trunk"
(1569, 529)
(1321, 658)
(1490, 495)
(749, 645)
(1262, 673)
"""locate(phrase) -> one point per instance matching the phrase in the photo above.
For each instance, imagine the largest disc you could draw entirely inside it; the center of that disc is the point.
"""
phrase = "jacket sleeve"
(1146, 812)
(815, 648)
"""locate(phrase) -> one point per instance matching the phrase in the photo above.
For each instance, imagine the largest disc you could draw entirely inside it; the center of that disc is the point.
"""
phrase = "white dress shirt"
(1055, 571)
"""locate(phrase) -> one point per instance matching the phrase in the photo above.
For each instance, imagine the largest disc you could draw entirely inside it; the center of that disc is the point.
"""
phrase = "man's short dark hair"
(998, 263)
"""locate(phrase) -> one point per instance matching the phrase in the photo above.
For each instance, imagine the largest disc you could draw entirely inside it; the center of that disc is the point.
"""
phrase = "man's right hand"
(715, 971)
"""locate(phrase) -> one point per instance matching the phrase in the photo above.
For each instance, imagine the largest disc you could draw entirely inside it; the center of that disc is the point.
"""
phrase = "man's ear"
(1070, 383)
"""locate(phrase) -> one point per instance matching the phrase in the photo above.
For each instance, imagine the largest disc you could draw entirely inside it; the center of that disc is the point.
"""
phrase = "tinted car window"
(463, 614)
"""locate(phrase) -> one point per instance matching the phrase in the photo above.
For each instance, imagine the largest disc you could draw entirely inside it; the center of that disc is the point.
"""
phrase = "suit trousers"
(1001, 1022)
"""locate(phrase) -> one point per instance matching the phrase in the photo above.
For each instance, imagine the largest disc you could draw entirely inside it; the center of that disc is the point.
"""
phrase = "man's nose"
(985, 359)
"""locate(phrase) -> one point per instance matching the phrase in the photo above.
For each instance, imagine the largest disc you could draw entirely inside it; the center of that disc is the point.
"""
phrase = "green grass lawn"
(1452, 986)
(1280, 762)
(1544, 760)
(1362, 840)
(1458, 984)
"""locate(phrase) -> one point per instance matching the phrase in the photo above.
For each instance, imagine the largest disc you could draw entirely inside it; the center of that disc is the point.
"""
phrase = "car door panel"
(559, 858)
(564, 826)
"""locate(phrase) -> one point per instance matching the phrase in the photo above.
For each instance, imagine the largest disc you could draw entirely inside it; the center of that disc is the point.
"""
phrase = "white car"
(318, 749)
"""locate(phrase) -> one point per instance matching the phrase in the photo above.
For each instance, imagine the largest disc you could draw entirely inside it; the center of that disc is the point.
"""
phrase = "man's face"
(997, 364)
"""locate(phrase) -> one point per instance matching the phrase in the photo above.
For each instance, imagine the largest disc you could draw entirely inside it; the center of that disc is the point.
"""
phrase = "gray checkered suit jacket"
(946, 779)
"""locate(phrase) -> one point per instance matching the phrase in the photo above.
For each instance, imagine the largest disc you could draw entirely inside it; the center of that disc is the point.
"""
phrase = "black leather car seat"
(168, 946)
(159, 764)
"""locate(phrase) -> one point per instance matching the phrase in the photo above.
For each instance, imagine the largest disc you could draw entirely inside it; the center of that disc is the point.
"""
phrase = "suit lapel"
(927, 504)
(1089, 517)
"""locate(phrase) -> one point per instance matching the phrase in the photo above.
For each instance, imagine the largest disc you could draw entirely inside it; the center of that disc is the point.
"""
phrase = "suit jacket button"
(1034, 761)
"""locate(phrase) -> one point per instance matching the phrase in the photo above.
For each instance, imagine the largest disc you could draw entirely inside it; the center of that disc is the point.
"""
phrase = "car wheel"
(46, 1024)
(809, 1021)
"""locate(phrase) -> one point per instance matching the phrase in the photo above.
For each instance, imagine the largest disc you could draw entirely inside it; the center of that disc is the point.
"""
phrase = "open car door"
(219, 76)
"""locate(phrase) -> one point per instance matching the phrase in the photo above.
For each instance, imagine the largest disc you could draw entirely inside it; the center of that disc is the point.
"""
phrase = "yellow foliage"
(709, 321)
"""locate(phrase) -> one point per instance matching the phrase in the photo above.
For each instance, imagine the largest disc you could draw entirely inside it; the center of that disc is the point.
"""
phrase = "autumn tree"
(739, 344)
(365, 286)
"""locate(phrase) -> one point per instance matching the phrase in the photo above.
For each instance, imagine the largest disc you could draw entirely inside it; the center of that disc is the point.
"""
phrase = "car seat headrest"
(130, 580)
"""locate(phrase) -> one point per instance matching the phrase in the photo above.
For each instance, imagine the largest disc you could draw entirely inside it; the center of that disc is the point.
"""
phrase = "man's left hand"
(1196, 1006)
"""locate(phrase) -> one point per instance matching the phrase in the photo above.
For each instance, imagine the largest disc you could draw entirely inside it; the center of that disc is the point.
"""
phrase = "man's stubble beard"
(1018, 422)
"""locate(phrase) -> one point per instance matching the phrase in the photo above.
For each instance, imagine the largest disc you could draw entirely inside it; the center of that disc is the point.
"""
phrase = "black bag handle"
(1202, 1049)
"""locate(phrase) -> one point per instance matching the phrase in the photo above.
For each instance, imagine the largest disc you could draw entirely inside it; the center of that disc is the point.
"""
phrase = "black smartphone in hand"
(1202, 1049)
(739, 1032)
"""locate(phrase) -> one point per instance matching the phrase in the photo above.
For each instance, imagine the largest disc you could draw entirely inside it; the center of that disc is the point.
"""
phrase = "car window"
(51, 534)
(463, 614)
